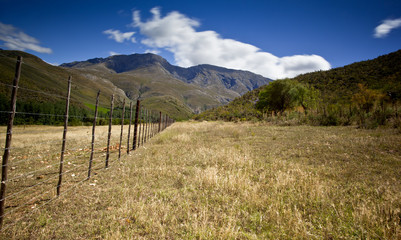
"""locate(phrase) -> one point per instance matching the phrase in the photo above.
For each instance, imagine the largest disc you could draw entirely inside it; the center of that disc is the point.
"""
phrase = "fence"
(38, 169)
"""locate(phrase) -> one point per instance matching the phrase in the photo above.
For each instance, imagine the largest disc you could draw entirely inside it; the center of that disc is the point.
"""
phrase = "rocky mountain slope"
(149, 76)
(180, 92)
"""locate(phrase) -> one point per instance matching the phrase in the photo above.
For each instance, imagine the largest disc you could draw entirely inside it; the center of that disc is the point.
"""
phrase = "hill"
(43, 87)
(337, 86)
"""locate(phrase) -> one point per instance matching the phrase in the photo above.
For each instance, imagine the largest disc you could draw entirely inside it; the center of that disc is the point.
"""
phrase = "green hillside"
(339, 84)
(351, 94)
(43, 87)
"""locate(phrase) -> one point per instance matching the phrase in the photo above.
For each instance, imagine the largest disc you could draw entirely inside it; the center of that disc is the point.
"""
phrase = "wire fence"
(35, 174)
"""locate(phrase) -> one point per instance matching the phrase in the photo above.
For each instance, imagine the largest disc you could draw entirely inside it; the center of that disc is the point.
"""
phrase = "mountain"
(337, 86)
(149, 75)
(176, 91)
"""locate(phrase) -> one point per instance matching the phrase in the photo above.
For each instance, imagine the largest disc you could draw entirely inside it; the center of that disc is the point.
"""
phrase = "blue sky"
(274, 38)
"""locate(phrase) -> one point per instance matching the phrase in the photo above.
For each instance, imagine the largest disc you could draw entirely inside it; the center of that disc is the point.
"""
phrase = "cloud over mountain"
(386, 27)
(15, 39)
(120, 36)
(177, 33)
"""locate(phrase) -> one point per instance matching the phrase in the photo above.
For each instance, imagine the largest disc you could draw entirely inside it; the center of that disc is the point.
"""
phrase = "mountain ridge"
(203, 75)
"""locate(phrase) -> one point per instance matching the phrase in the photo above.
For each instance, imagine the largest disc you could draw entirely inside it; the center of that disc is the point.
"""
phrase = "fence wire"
(41, 158)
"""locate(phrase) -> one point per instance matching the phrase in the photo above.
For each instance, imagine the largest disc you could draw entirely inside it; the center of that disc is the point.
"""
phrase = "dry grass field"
(215, 180)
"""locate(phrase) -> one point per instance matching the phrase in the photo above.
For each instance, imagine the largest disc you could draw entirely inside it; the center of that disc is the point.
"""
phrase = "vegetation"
(286, 94)
(169, 105)
(42, 89)
(361, 93)
(216, 180)
(240, 109)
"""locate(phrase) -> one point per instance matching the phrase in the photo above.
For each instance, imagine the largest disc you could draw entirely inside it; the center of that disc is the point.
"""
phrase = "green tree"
(366, 98)
(281, 95)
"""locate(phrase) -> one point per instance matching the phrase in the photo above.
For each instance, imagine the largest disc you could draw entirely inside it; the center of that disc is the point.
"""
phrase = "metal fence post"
(109, 135)
(129, 127)
(8, 139)
(93, 135)
(139, 128)
(67, 107)
(122, 127)
(138, 103)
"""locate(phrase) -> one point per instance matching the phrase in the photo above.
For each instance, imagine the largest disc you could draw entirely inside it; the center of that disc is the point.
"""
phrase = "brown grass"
(215, 180)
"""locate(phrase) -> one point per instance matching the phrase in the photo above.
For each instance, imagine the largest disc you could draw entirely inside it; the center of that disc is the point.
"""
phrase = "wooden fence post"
(9, 138)
(109, 135)
(122, 127)
(138, 104)
(129, 127)
(93, 135)
(67, 107)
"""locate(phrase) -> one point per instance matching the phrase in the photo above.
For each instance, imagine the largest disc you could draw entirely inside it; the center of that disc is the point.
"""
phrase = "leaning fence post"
(93, 135)
(122, 127)
(109, 135)
(67, 107)
(9, 138)
(138, 103)
(129, 127)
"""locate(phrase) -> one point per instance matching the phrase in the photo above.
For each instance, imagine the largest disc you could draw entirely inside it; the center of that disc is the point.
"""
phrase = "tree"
(366, 98)
(284, 94)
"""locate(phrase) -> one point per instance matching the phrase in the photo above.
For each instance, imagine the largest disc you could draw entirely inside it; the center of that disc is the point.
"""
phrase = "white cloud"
(385, 28)
(18, 40)
(114, 53)
(119, 36)
(176, 33)
(154, 51)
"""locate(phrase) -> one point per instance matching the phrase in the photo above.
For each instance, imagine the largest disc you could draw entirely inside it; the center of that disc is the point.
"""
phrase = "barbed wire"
(63, 193)
(76, 159)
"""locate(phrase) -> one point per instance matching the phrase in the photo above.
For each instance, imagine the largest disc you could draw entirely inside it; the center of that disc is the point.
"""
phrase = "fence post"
(67, 107)
(139, 128)
(129, 127)
(122, 127)
(8, 139)
(143, 126)
(138, 103)
(146, 127)
(93, 135)
(109, 135)
(150, 125)
(160, 121)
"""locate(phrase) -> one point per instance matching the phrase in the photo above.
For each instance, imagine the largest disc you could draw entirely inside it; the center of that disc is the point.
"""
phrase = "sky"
(276, 39)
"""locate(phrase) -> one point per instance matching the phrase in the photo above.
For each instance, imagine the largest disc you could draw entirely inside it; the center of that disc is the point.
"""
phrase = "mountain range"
(151, 76)
(160, 85)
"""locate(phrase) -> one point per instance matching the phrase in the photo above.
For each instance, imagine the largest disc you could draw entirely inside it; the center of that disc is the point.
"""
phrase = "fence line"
(144, 122)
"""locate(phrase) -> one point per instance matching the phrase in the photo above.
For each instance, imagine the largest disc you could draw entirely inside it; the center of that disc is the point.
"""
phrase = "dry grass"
(215, 180)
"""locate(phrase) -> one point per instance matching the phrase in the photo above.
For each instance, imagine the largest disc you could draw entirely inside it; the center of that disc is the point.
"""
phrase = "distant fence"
(32, 184)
